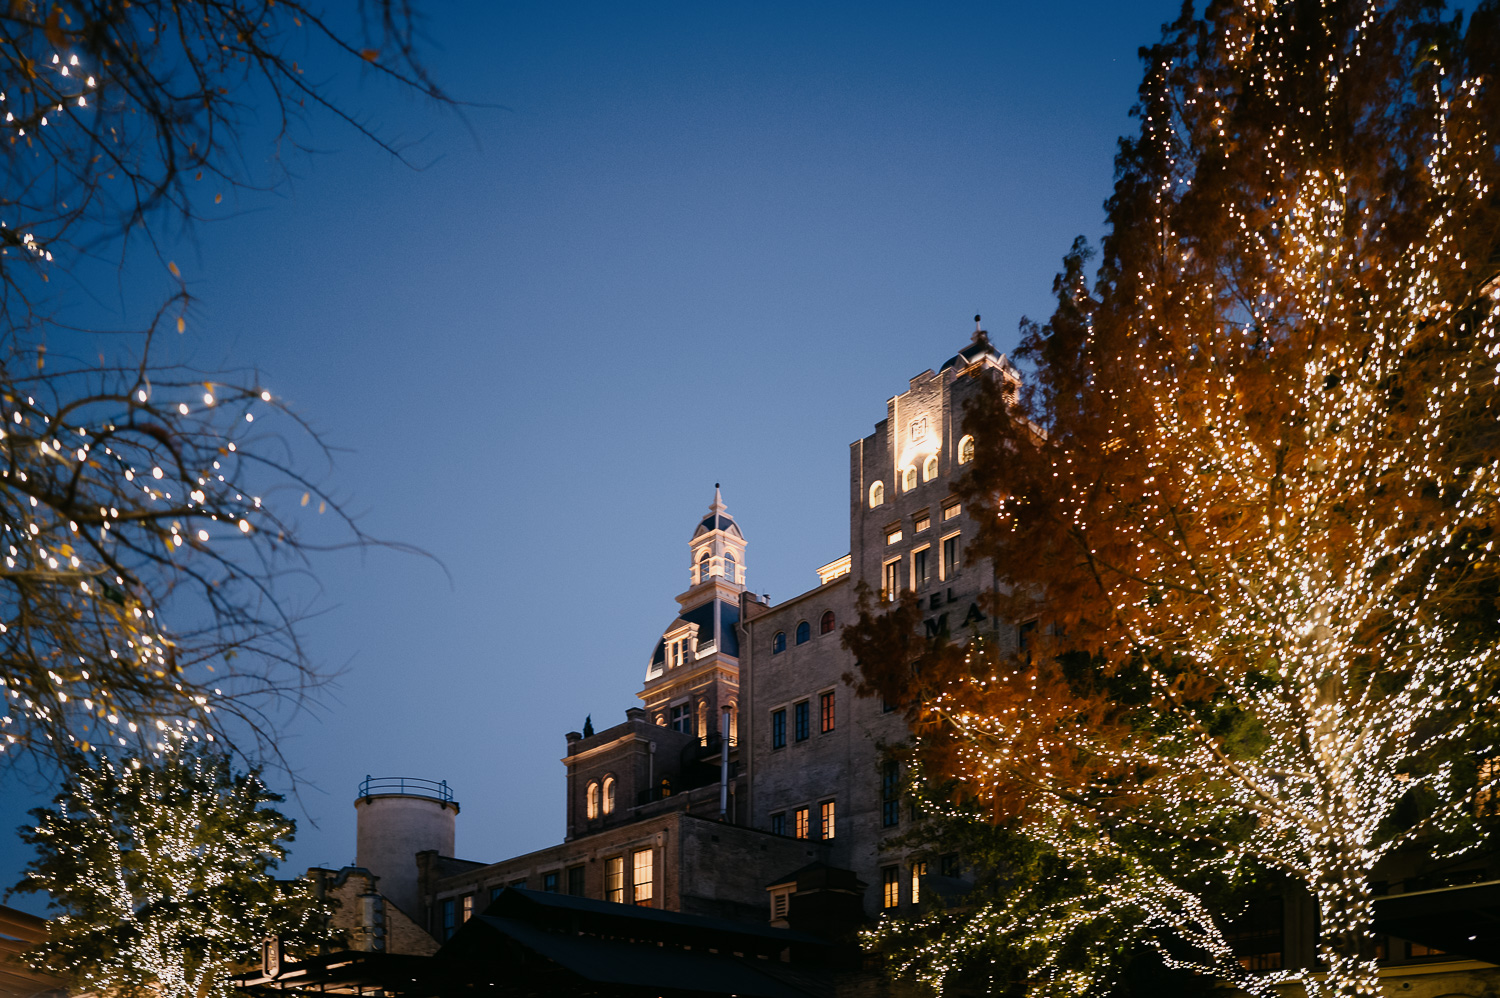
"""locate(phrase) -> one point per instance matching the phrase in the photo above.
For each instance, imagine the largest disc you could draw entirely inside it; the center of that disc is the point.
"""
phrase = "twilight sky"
(689, 243)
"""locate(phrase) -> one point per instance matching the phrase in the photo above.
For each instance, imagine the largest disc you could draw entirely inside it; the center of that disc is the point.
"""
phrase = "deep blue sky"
(697, 243)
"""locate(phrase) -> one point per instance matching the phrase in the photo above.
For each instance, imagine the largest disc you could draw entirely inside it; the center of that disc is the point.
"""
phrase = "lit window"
(918, 871)
(825, 626)
(908, 479)
(929, 468)
(893, 536)
(702, 719)
(966, 450)
(778, 729)
(468, 907)
(949, 512)
(609, 795)
(825, 819)
(801, 714)
(890, 883)
(614, 879)
(951, 551)
(641, 881)
(778, 643)
(804, 631)
(921, 572)
(923, 522)
(892, 580)
(778, 823)
(729, 567)
(877, 494)
(592, 805)
(800, 823)
(825, 711)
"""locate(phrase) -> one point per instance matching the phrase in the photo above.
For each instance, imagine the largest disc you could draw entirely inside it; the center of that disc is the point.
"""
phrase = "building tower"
(695, 668)
(399, 817)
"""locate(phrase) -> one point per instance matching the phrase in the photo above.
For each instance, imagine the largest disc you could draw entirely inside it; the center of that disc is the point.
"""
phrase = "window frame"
(966, 448)
(890, 887)
(731, 567)
(827, 623)
(607, 795)
(890, 578)
(826, 711)
(802, 823)
(909, 478)
(877, 494)
(614, 879)
(778, 823)
(778, 643)
(804, 632)
(778, 728)
(948, 568)
(890, 794)
(930, 465)
(592, 801)
(802, 720)
(828, 820)
(642, 892)
(922, 554)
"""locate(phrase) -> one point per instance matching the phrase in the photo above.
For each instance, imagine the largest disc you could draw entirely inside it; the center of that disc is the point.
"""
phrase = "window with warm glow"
(825, 711)
(825, 626)
(591, 806)
(825, 819)
(890, 884)
(908, 479)
(949, 512)
(966, 450)
(918, 871)
(609, 795)
(892, 580)
(468, 907)
(929, 468)
(877, 494)
(801, 826)
(641, 879)
(922, 523)
(893, 536)
(614, 879)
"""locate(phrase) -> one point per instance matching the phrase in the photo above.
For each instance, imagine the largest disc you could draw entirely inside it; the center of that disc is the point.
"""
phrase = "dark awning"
(1463, 921)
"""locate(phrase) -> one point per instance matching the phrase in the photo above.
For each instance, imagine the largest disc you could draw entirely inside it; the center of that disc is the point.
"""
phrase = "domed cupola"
(718, 548)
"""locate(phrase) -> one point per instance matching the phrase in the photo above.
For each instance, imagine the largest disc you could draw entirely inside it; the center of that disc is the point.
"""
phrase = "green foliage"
(160, 874)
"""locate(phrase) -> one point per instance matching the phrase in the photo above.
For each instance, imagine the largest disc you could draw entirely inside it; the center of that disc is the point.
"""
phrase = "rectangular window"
(778, 728)
(641, 881)
(468, 907)
(921, 571)
(575, 881)
(778, 823)
(682, 718)
(799, 819)
(448, 919)
(495, 892)
(804, 721)
(825, 712)
(890, 795)
(890, 884)
(951, 551)
(949, 512)
(923, 522)
(892, 580)
(518, 883)
(948, 864)
(825, 819)
(614, 879)
(918, 871)
(893, 536)
(549, 882)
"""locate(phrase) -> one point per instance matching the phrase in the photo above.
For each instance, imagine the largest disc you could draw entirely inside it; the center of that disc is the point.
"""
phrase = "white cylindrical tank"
(399, 817)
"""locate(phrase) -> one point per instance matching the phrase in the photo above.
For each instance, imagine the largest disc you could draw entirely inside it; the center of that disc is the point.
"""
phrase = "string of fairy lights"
(1288, 516)
(172, 859)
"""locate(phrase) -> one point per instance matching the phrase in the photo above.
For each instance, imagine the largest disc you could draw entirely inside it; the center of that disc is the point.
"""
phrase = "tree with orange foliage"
(1251, 496)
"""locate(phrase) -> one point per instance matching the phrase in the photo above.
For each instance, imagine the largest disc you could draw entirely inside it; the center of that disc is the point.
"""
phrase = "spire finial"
(718, 506)
(980, 336)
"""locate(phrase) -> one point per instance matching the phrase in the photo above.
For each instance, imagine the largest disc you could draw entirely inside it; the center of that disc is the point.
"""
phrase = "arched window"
(609, 795)
(929, 468)
(966, 450)
(702, 718)
(908, 479)
(877, 494)
(778, 643)
(592, 801)
(803, 632)
(825, 626)
(703, 566)
(729, 567)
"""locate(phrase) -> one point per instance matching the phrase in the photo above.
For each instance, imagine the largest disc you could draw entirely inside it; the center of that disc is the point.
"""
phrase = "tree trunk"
(1346, 937)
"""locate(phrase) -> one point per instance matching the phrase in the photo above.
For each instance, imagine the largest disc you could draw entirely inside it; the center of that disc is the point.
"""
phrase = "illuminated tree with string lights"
(147, 522)
(160, 873)
(1250, 497)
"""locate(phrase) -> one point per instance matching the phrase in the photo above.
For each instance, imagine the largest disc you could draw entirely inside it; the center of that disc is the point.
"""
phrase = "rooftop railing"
(407, 785)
